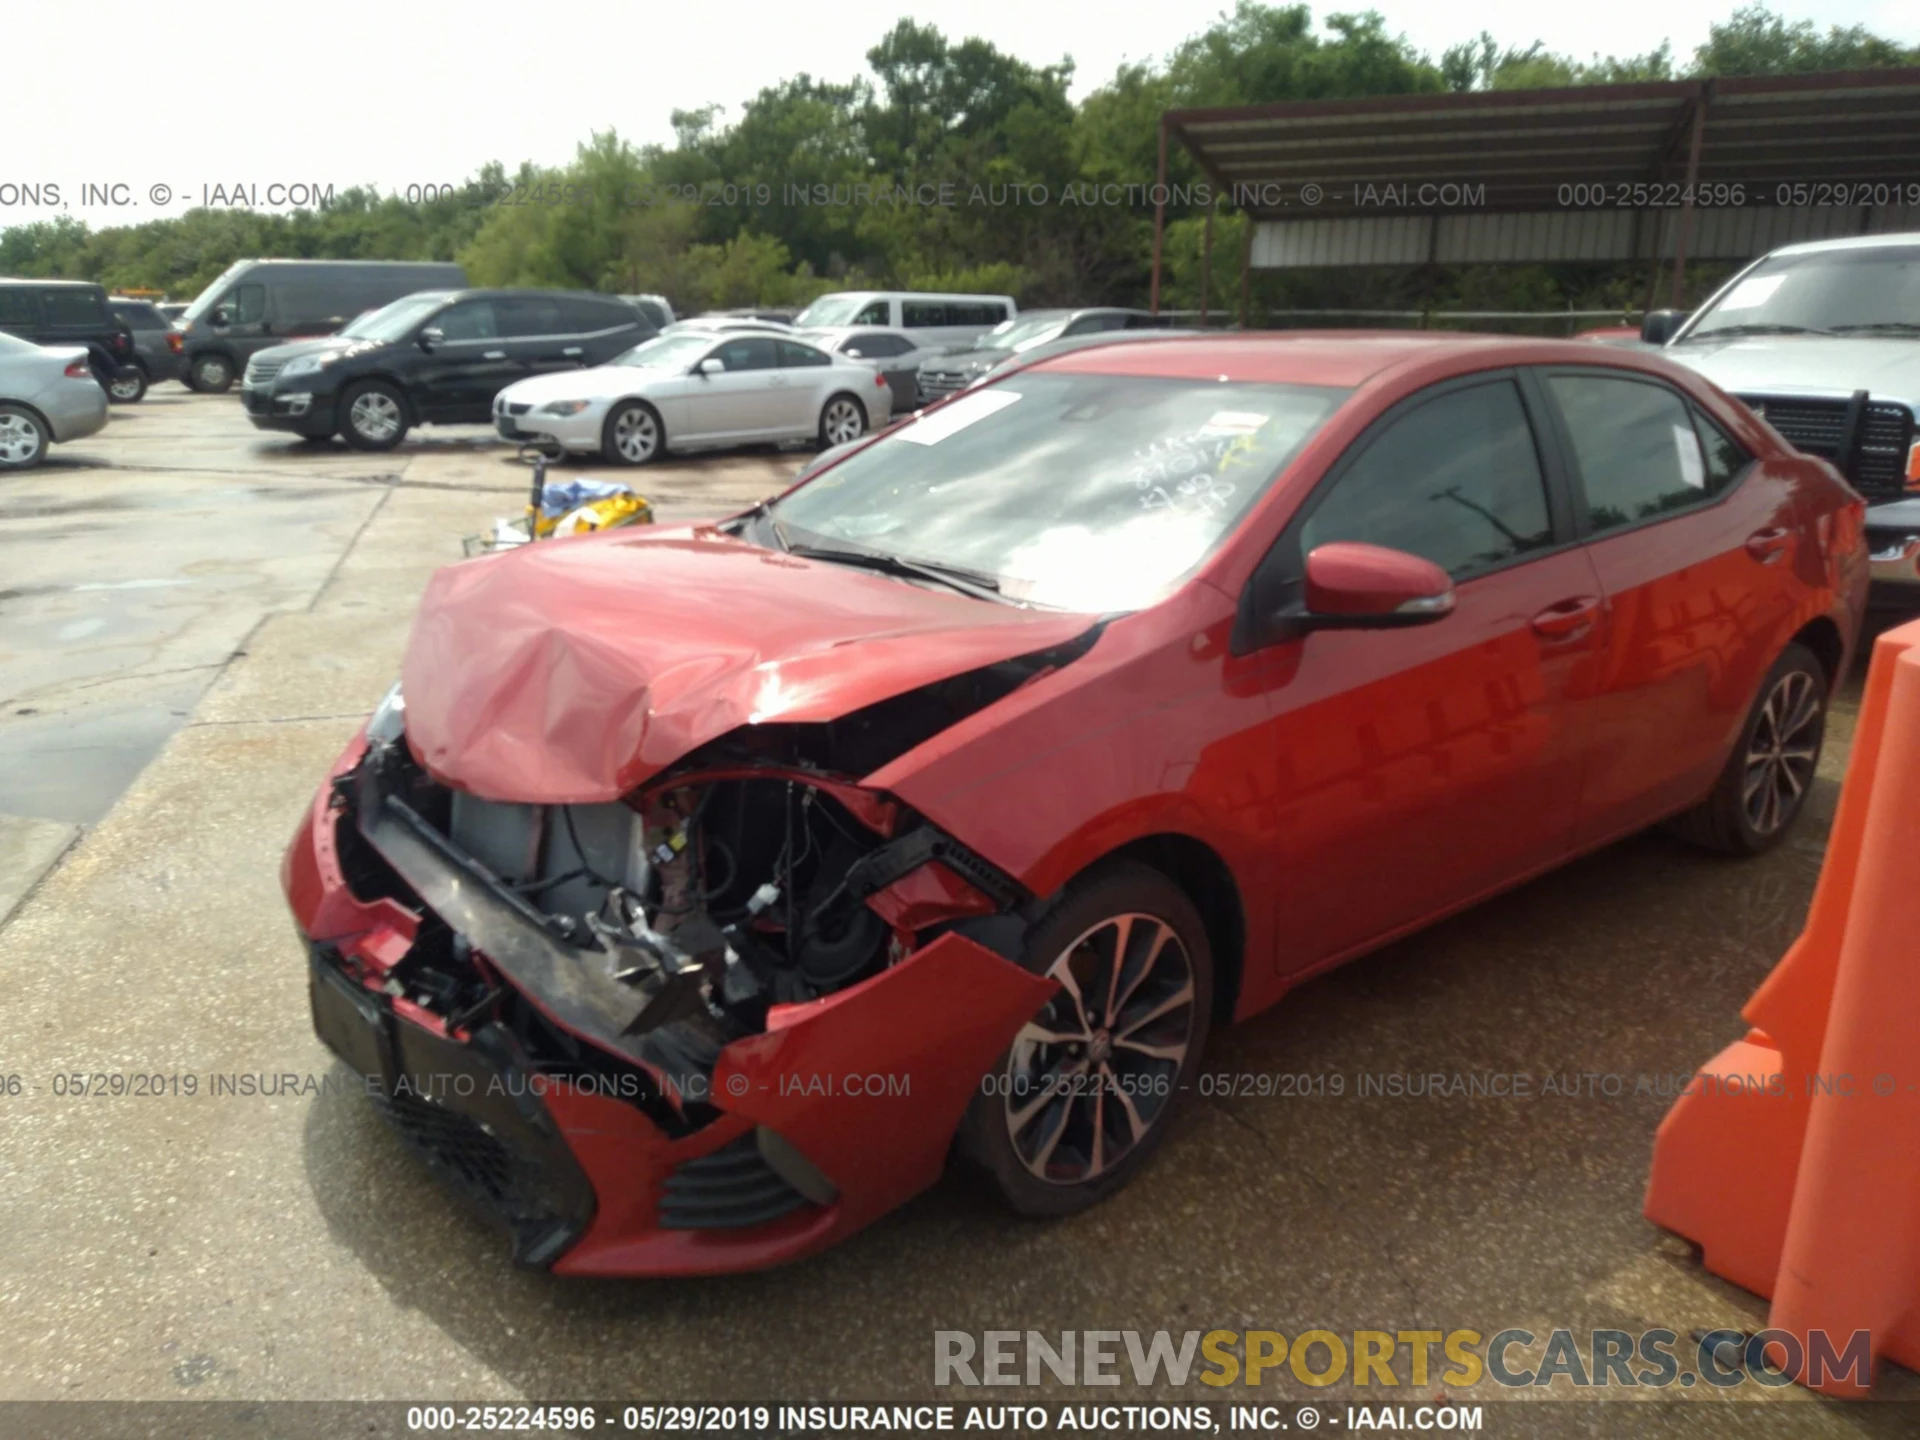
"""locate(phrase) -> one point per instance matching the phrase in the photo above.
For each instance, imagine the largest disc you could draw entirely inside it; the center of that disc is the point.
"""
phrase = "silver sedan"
(692, 389)
(47, 394)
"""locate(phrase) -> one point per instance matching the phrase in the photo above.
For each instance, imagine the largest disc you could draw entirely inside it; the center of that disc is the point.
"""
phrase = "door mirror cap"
(710, 366)
(431, 336)
(222, 315)
(1659, 326)
(1357, 586)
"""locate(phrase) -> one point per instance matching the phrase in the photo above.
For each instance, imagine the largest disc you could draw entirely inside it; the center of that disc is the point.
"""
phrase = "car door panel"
(735, 403)
(1419, 768)
(1700, 592)
(456, 380)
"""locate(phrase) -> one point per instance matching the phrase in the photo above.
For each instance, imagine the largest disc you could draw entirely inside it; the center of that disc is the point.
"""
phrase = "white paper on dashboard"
(1749, 293)
(1687, 445)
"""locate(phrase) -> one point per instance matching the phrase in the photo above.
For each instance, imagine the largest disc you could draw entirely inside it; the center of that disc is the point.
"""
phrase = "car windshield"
(217, 291)
(829, 310)
(1023, 333)
(665, 352)
(395, 321)
(1082, 492)
(1852, 291)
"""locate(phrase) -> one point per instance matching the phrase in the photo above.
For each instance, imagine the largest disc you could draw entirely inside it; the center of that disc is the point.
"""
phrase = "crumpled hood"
(570, 671)
(1806, 365)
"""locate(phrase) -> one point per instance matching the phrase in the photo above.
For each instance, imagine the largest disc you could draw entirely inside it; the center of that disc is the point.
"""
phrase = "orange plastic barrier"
(1794, 1160)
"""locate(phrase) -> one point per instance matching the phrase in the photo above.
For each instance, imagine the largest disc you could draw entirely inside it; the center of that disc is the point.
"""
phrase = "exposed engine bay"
(662, 927)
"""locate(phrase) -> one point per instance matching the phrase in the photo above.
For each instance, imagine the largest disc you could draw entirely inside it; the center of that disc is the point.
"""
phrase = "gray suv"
(158, 352)
(256, 304)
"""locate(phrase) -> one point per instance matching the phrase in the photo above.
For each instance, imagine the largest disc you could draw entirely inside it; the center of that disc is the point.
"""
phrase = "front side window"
(1086, 492)
(469, 320)
(1457, 480)
(17, 306)
(1637, 451)
(248, 304)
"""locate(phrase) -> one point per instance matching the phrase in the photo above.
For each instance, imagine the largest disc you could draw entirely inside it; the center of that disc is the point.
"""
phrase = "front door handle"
(1767, 546)
(493, 355)
(572, 350)
(1567, 620)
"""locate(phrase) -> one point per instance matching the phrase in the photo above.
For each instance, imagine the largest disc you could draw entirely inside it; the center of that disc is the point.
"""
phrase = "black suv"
(436, 357)
(73, 312)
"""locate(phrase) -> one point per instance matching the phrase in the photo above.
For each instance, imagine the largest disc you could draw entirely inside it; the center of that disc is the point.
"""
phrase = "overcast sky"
(398, 92)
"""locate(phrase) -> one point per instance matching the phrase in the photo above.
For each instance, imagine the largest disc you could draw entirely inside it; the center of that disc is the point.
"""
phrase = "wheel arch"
(1200, 870)
(1822, 636)
(53, 436)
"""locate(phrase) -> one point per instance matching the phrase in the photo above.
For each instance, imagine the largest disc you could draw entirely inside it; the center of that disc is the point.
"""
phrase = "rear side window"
(1456, 480)
(794, 355)
(748, 353)
(585, 317)
(875, 346)
(139, 317)
(1636, 449)
(926, 314)
(523, 316)
(74, 307)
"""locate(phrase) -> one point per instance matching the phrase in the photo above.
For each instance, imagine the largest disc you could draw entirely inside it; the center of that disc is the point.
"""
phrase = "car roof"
(1851, 242)
(1344, 358)
(52, 284)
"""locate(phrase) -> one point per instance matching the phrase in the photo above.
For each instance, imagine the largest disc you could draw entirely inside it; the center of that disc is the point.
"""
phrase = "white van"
(935, 319)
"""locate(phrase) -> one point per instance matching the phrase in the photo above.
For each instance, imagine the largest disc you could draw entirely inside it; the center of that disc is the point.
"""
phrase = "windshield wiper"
(1887, 327)
(1721, 332)
(979, 585)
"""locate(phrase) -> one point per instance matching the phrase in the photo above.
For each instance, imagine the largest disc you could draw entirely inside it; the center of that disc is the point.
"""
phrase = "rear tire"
(23, 438)
(210, 374)
(373, 416)
(129, 391)
(633, 434)
(843, 419)
(1764, 787)
(1107, 1057)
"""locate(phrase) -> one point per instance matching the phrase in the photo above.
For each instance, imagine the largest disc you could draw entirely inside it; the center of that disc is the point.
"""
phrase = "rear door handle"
(1567, 620)
(493, 355)
(572, 350)
(1766, 546)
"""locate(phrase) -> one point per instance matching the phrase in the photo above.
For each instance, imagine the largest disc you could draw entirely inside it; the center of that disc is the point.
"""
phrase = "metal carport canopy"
(1538, 175)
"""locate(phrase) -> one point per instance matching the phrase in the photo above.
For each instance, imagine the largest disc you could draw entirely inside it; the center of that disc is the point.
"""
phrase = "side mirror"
(222, 315)
(431, 336)
(1659, 326)
(1355, 586)
(710, 366)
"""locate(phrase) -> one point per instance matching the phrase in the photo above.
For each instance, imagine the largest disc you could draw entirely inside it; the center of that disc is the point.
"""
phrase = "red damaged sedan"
(698, 892)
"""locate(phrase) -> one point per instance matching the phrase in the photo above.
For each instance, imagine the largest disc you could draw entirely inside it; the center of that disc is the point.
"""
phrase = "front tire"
(129, 391)
(1764, 787)
(211, 374)
(23, 438)
(373, 416)
(842, 419)
(633, 434)
(1087, 1090)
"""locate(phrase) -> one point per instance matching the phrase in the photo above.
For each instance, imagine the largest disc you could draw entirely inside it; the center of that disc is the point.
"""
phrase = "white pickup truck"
(1822, 340)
